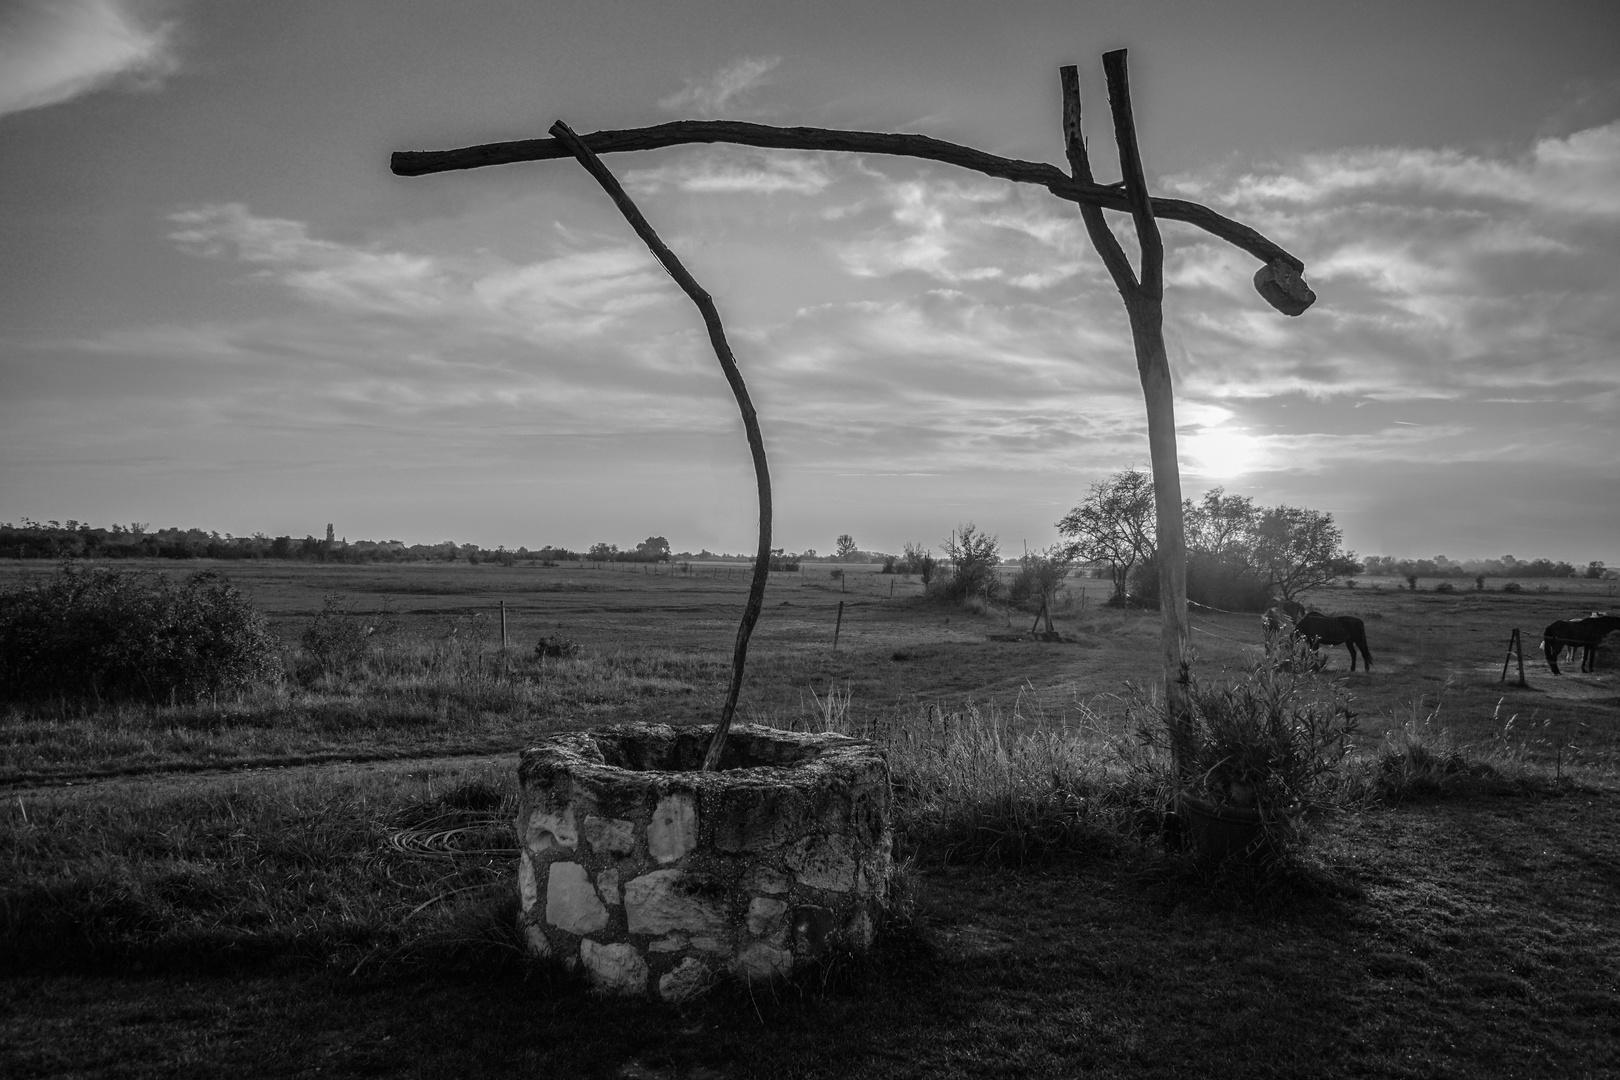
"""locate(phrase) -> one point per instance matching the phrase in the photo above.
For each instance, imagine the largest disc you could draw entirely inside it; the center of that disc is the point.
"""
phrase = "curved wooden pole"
(728, 363)
(1287, 290)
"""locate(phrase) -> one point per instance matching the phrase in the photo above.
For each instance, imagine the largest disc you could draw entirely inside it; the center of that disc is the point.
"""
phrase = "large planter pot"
(655, 878)
(1219, 831)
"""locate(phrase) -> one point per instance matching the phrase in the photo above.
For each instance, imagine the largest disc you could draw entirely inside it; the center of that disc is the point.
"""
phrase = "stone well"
(656, 877)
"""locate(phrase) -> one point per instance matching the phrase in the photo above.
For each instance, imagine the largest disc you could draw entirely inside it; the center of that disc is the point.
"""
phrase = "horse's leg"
(1352, 647)
(1365, 655)
(1551, 649)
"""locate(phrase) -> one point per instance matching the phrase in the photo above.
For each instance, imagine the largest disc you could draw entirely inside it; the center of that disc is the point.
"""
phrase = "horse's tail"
(1361, 642)
(1551, 647)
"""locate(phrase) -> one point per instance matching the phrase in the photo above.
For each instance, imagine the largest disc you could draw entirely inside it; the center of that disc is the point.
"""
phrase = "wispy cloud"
(735, 171)
(52, 51)
(727, 90)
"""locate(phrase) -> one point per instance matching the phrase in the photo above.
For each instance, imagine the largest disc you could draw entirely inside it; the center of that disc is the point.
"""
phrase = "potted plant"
(1265, 753)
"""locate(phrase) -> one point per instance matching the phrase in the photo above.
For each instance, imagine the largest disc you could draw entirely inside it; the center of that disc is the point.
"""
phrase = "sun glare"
(1222, 452)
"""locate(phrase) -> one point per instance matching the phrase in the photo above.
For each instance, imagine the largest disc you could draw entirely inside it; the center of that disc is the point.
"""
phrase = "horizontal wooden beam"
(681, 132)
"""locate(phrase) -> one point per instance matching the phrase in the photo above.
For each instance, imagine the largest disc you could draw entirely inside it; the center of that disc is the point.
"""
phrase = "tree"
(920, 561)
(654, 547)
(974, 556)
(1221, 525)
(603, 552)
(846, 547)
(1298, 549)
(1115, 525)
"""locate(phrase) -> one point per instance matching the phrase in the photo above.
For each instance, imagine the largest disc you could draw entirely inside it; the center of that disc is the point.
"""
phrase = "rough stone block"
(766, 917)
(613, 835)
(607, 886)
(824, 862)
(528, 891)
(685, 980)
(1283, 288)
(673, 830)
(614, 969)
(762, 962)
(765, 878)
(665, 900)
(571, 902)
(552, 831)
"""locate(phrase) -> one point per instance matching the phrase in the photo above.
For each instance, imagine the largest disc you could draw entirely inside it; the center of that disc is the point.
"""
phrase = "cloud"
(735, 171)
(958, 231)
(725, 90)
(1577, 173)
(52, 51)
(572, 295)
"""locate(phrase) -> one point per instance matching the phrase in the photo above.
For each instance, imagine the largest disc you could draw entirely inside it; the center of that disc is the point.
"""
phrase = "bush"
(1513, 586)
(1445, 587)
(1274, 737)
(558, 646)
(337, 639)
(974, 557)
(1038, 577)
(131, 635)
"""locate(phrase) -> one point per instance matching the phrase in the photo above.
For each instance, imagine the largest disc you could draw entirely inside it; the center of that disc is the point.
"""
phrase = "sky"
(219, 309)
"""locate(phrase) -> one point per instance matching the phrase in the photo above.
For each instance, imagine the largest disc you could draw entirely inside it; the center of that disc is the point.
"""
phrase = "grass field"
(233, 885)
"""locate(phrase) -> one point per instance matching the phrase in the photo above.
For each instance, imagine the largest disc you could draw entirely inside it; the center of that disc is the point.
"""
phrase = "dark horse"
(1318, 629)
(1577, 634)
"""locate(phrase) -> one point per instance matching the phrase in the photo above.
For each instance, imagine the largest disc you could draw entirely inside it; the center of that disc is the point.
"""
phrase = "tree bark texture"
(756, 443)
(1055, 180)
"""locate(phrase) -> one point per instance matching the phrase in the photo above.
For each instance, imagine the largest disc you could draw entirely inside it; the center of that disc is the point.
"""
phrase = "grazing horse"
(1577, 634)
(1347, 630)
(1284, 613)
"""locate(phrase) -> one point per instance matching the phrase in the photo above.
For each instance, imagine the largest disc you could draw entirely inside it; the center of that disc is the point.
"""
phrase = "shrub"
(557, 646)
(1039, 576)
(1445, 587)
(337, 639)
(1273, 737)
(1513, 586)
(114, 635)
(973, 556)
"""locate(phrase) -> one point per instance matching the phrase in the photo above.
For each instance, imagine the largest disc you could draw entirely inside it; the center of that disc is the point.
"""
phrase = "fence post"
(503, 625)
(839, 625)
(1515, 648)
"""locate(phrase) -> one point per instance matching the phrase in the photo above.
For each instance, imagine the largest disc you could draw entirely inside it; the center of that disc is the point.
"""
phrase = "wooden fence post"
(839, 625)
(1515, 648)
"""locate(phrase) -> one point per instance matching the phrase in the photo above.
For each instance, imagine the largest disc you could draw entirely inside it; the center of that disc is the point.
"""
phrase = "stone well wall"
(656, 877)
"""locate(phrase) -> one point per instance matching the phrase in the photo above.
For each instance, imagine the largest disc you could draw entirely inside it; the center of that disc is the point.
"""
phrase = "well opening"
(657, 877)
(645, 752)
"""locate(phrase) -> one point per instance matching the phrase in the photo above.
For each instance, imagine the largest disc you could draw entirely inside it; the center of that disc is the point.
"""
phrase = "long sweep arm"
(728, 364)
(1280, 264)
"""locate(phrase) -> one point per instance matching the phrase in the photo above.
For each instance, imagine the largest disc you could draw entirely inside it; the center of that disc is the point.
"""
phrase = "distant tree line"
(78, 540)
(1506, 566)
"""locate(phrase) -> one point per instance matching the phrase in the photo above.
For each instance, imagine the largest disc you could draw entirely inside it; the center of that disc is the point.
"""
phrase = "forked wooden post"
(1279, 281)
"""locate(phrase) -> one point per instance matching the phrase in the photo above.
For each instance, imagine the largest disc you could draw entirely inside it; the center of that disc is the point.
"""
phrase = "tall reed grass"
(982, 784)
